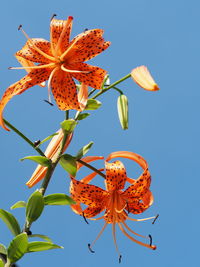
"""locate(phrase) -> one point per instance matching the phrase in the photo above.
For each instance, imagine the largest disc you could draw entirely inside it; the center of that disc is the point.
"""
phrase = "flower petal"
(89, 212)
(86, 46)
(93, 78)
(50, 152)
(139, 205)
(143, 78)
(115, 175)
(64, 91)
(28, 51)
(60, 31)
(83, 96)
(87, 194)
(36, 76)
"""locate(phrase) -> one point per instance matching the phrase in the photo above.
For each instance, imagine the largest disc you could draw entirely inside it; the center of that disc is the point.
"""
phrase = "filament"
(129, 229)
(49, 83)
(33, 67)
(140, 220)
(74, 71)
(115, 241)
(100, 233)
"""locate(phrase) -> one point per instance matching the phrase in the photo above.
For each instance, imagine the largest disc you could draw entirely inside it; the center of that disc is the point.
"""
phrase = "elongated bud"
(122, 106)
(143, 78)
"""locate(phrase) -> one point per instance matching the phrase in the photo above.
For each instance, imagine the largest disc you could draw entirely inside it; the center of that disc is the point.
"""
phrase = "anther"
(155, 218)
(120, 258)
(36, 143)
(53, 16)
(84, 218)
(19, 28)
(48, 102)
(150, 237)
(92, 251)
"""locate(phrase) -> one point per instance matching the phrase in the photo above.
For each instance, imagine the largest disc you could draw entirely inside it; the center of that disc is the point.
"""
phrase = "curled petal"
(34, 77)
(94, 78)
(64, 91)
(143, 78)
(50, 153)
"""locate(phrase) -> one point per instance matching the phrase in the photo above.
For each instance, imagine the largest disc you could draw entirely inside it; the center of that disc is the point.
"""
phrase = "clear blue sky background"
(164, 127)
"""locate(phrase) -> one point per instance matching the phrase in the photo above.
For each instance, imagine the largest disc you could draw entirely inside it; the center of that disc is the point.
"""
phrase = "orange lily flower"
(116, 202)
(50, 153)
(143, 78)
(59, 61)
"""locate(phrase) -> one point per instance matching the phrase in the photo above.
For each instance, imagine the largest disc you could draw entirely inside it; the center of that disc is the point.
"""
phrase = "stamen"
(84, 218)
(155, 218)
(90, 249)
(48, 102)
(129, 229)
(135, 240)
(96, 219)
(115, 241)
(34, 46)
(74, 71)
(33, 67)
(140, 220)
(49, 83)
(120, 258)
(100, 233)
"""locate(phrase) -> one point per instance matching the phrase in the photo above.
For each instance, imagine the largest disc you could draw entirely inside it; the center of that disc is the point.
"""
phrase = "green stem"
(92, 168)
(26, 139)
(118, 90)
(112, 85)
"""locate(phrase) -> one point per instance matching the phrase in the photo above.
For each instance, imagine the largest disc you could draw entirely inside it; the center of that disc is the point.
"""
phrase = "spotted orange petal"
(64, 90)
(143, 78)
(29, 52)
(115, 175)
(139, 205)
(93, 78)
(60, 31)
(34, 77)
(89, 212)
(86, 46)
(87, 194)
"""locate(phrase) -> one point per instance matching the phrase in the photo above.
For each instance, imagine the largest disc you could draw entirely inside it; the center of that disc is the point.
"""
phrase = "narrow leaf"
(46, 139)
(10, 221)
(68, 125)
(58, 199)
(18, 247)
(84, 150)
(44, 237)
(34, 207)
(93, 104)
(41, 246)
(40, 160)
(82, 116)
(3, 249)
(19, 204)
(69, 164)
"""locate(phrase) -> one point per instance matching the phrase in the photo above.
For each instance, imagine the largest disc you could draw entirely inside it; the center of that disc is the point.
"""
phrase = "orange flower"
(143, 78)
(50, 152)
(116, 202)
(59, 61)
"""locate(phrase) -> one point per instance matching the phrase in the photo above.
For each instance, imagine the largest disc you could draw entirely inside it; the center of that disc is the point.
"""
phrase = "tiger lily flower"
(59, 61)
(116, 202)
(143, 78)
(50, 153)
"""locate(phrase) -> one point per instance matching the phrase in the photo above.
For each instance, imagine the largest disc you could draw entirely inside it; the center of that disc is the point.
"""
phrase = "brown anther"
(48, 102)
(150, 237)
(85, 218)
(120, 258)
(155, 218)
(53, 16)
(20, 26)
(92, 251)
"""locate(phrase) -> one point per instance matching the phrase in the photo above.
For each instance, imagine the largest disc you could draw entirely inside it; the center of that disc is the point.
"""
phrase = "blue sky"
(164, 127)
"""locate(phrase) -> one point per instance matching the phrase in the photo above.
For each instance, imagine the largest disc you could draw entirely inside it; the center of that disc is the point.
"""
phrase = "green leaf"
(17, 247)
(122, 107)
(34, 207)
(1, 263)
(46, 238)
(58, 199)
(40, 160)
(41, 246)
(46, 139)
(3, 249)
(82, 116)
(19, 204)
(69, 164)
(68, 125)
(83, 150)
(93, 104)
(10, 221)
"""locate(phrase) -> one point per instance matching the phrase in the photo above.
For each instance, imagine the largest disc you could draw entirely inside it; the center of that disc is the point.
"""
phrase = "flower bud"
(122, 106)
